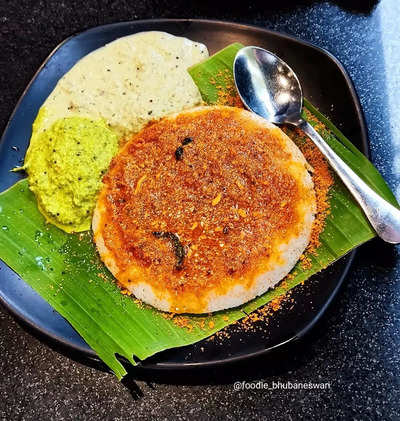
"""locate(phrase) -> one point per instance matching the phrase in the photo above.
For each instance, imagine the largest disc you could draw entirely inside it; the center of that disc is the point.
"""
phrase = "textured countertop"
(355, 347)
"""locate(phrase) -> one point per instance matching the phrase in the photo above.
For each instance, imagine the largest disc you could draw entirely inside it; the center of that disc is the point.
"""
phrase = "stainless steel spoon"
(270, 88)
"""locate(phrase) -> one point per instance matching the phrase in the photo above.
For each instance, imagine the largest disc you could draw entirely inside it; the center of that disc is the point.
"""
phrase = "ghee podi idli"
(204, 210)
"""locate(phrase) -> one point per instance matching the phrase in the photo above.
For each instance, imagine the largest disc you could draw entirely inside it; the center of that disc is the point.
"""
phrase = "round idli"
(204, 210)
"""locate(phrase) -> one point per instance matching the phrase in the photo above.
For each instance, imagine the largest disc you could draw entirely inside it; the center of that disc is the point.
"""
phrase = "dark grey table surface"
(355, 347)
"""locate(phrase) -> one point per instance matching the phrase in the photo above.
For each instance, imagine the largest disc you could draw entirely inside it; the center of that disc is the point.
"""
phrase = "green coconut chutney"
(65, 164)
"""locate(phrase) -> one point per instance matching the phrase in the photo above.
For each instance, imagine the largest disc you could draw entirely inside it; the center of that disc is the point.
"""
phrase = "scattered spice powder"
(226, 89)
(179, 320)
(138, 303)
(323, 181)
(183, 321)
(125, 291)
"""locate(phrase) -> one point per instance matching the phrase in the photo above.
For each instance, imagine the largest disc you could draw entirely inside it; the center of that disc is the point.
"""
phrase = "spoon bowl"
(271, 89)
(267, 85)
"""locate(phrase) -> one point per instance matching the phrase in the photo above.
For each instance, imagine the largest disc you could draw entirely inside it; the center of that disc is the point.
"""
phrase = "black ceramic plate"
(325, 83)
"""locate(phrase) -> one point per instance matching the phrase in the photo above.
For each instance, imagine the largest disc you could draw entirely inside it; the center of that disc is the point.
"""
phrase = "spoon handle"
(384, 217)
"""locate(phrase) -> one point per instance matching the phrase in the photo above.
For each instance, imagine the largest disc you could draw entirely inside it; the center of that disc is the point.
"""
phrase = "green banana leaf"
(66, 271)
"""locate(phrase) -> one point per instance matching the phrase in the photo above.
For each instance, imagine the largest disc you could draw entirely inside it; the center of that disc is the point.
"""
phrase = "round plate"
(325, 82)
